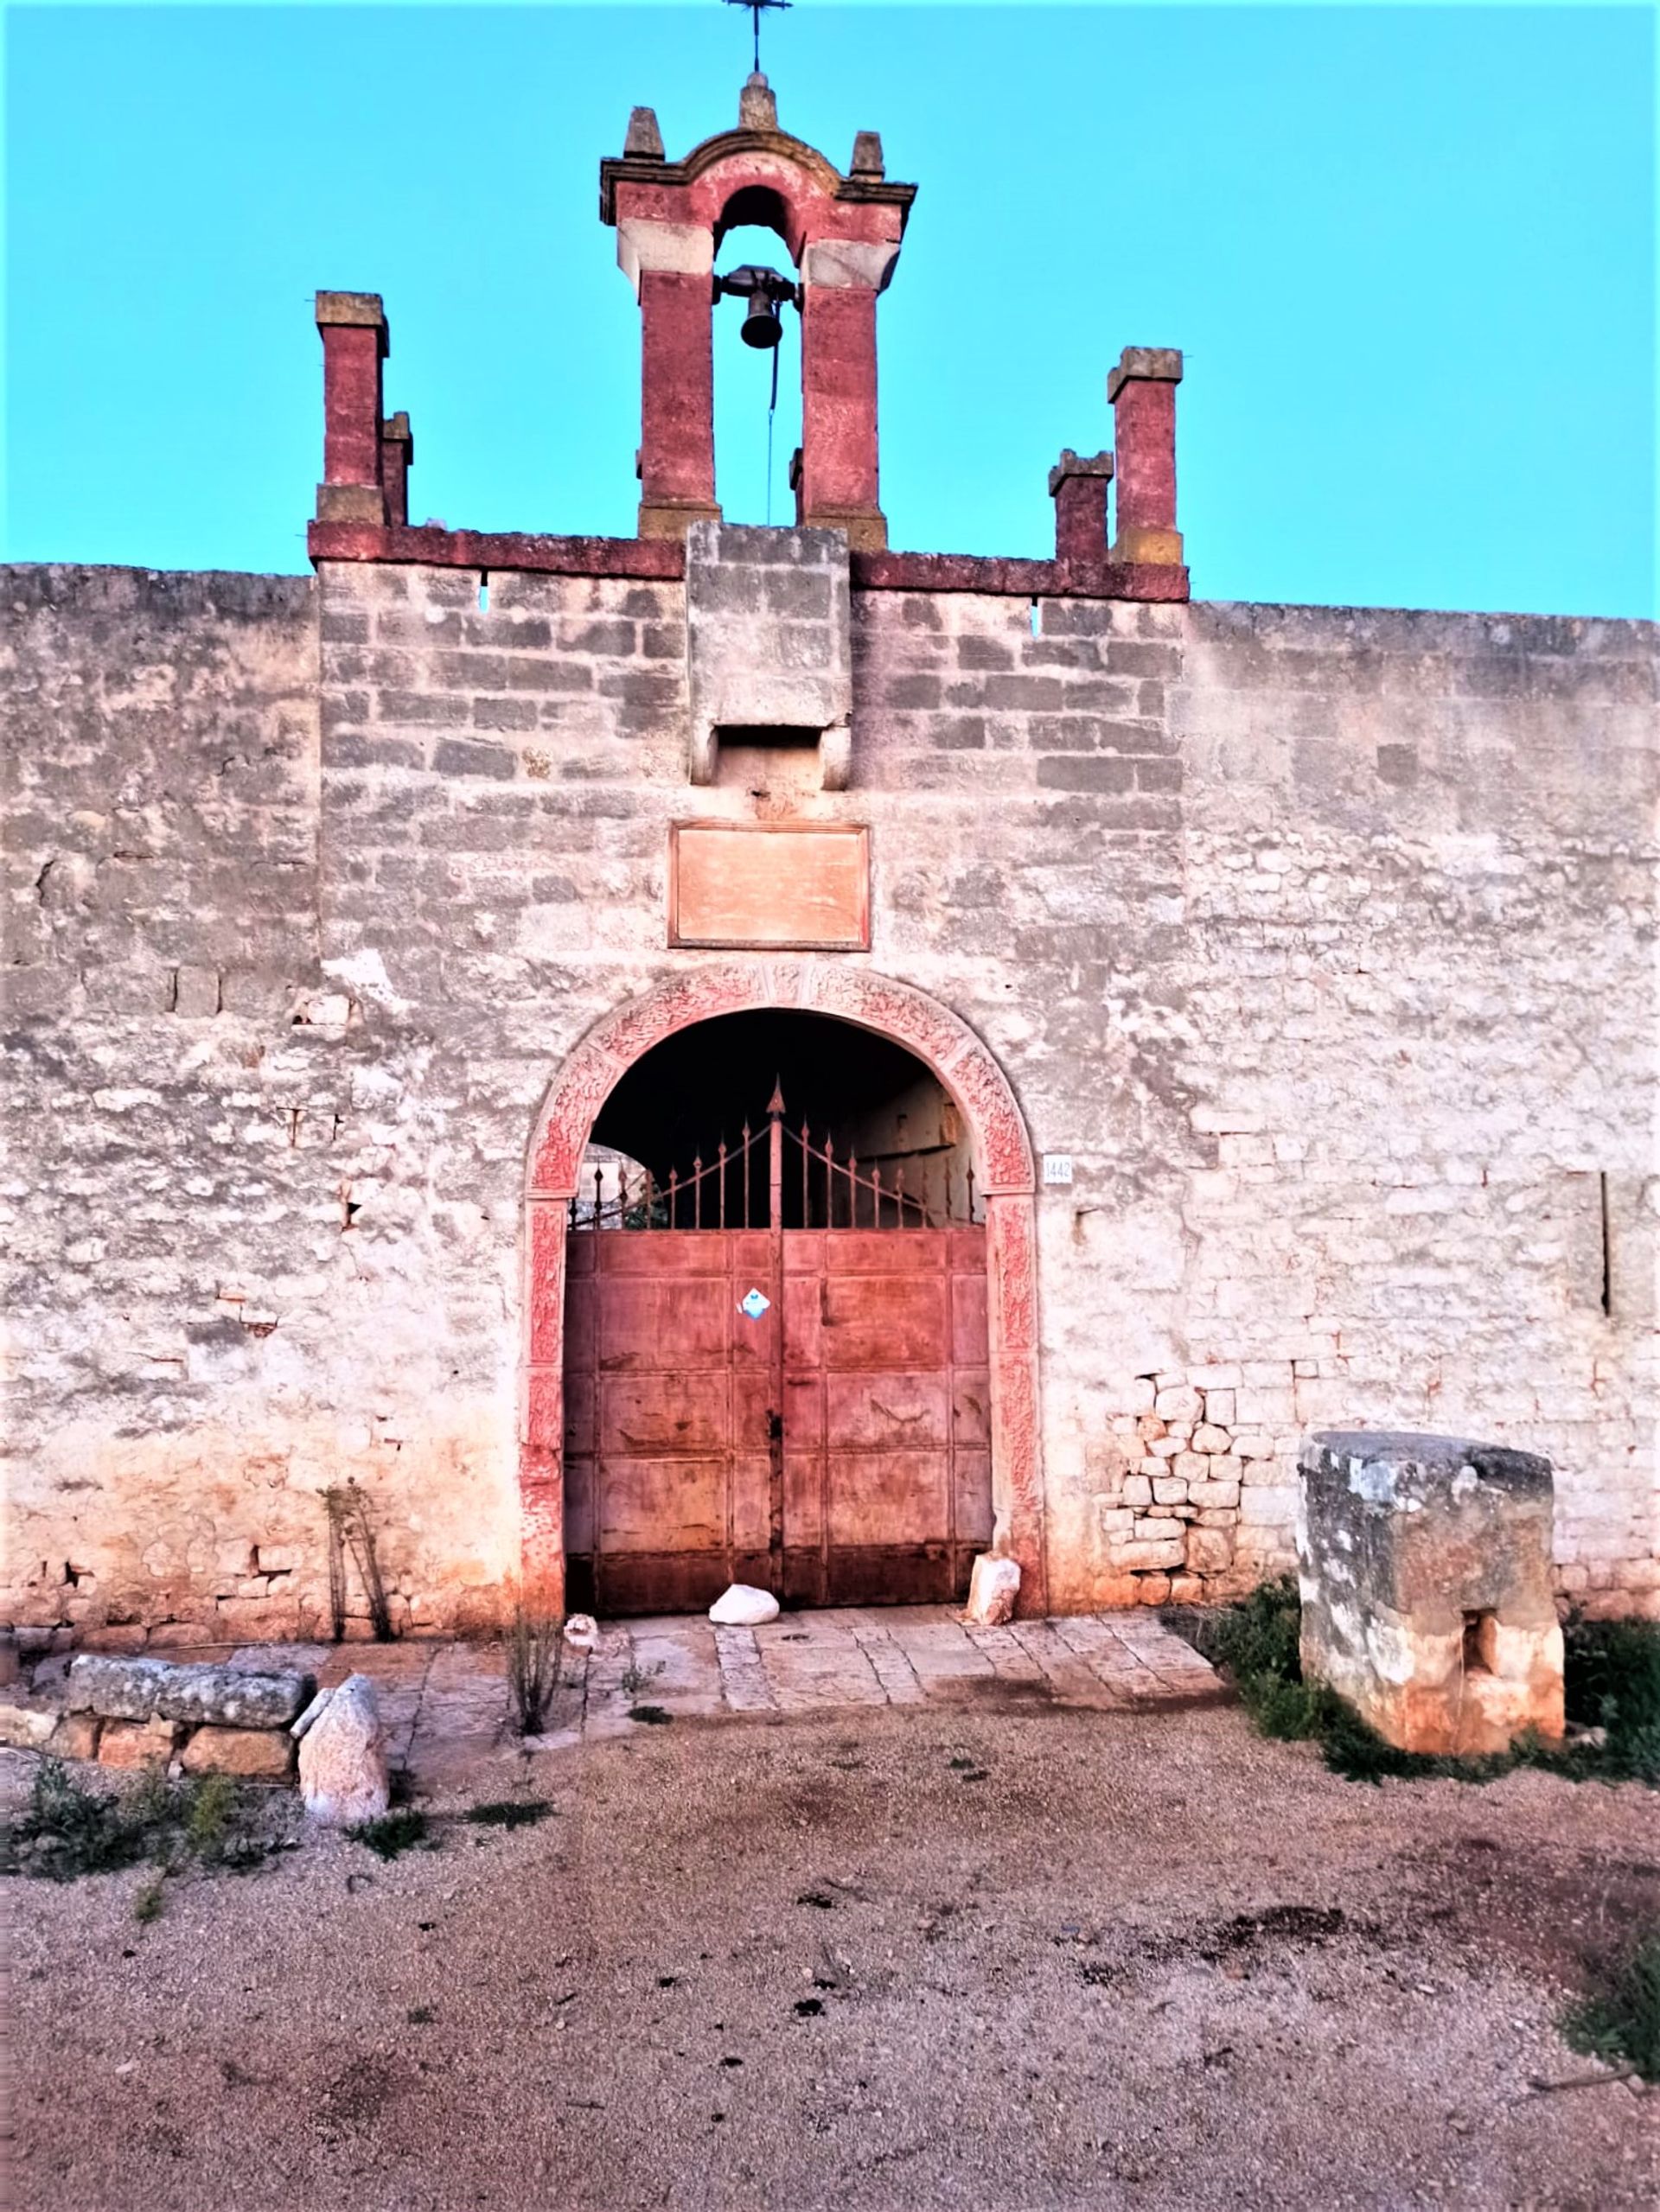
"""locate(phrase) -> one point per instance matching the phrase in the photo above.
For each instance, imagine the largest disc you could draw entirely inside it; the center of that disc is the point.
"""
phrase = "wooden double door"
(804, 1409)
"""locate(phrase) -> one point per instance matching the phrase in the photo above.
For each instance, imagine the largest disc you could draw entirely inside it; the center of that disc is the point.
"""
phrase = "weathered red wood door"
(802, 1408)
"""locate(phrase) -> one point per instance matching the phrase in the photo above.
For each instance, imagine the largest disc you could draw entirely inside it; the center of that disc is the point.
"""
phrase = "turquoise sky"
(1408, 252)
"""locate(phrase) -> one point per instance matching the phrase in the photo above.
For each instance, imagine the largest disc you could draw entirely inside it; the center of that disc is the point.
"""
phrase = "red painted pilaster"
(1142, 391)
(354, 329)
(677, 402)
(1077, 484)
(839, 483)
(396, 453)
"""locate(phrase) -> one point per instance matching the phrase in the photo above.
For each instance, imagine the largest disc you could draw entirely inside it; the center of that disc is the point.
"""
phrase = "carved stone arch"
(945, 1043)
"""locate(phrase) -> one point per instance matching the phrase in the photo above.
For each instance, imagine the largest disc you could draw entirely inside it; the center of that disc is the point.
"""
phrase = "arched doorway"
(682, 1427)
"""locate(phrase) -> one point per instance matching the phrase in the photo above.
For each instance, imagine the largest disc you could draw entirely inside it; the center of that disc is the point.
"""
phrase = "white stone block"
(994, 1586)
(743, 1606)
(1183, 1403)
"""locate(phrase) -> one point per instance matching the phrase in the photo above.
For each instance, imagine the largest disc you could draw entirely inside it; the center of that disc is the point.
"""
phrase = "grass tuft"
(1612, 1682)
(207, 1822)
(1619, 2023)
(535, 1650)
(392, 1832)
(67, 1830)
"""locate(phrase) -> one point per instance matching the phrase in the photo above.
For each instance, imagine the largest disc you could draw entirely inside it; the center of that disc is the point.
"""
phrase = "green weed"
(391, 1834)
(67, 1830)
(635, 1678)
(1612, 1682)
(147, 1905)
(1620, 2022)
(207, 1822)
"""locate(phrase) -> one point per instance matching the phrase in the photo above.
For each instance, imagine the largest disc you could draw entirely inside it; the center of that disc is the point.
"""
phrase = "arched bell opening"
(757, 370)
(760, 207)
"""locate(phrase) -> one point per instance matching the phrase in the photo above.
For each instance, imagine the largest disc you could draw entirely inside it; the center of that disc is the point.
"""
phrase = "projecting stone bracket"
(769, 651)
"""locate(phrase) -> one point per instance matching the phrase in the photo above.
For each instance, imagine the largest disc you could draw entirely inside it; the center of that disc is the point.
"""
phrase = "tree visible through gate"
(777, 1372)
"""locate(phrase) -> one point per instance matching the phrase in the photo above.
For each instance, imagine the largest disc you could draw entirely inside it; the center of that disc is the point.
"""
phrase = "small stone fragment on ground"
(994, 1586)
(312, 1712)
(343, 1777)
(743, 1606)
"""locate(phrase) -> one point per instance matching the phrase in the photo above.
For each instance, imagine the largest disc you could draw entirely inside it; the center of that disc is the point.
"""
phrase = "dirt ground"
(1009, 1955)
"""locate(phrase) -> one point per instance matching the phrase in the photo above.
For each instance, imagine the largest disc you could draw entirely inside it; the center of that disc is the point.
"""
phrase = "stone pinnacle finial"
(867, 154)
(644, 141)
(757, 110)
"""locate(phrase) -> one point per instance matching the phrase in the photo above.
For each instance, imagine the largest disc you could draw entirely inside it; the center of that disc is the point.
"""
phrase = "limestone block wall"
(166, 1124)
(1420, 854)
(1318, 940)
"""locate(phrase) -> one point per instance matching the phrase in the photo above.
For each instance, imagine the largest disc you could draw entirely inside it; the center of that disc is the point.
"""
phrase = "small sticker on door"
(753, 1304)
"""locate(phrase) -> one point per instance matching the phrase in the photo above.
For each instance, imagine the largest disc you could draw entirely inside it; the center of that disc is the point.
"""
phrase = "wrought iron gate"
(804, 1407)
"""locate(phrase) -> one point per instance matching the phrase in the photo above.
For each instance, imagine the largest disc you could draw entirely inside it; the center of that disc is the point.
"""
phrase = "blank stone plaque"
(806, 886)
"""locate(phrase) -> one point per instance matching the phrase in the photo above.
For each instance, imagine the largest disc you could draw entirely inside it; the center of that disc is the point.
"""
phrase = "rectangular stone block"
(115, 1689)
(1425, 1567)
(258, 1754)
(135, 1742)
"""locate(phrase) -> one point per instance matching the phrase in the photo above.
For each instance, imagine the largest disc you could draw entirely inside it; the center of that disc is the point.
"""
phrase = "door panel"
(888, 1412)
(901, 1364)
(663, 1325)
(886, 1465)
(971, 1407)
(662, 1505)
(665, 1414)
(888, 1498)
(873, 1321)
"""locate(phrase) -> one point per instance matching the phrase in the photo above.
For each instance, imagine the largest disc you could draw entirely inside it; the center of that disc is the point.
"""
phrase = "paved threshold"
(446, 1705)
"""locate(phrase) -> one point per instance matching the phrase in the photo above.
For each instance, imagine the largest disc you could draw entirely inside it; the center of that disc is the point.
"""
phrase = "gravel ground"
(1014, 1957)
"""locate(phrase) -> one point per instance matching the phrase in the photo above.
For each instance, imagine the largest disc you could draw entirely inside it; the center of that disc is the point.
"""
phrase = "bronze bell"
(762, 327)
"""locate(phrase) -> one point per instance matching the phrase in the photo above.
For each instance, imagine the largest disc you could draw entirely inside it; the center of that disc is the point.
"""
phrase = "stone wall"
(1317, 938)
(167, 1125)
(1420, 860)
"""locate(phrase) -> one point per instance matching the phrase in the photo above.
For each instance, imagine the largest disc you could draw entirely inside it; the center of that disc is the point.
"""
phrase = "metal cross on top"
(758, 9)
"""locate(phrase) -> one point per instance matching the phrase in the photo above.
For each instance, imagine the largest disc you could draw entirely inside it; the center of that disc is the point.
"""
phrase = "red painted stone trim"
(663, 560)
(945, 1043)
(1015, 579)
(656, 559)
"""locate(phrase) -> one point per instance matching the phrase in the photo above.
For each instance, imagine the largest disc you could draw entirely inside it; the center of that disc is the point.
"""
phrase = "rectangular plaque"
(801, 886)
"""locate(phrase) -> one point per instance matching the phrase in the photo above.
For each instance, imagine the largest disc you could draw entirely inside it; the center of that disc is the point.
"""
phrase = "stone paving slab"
(447, 1704)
